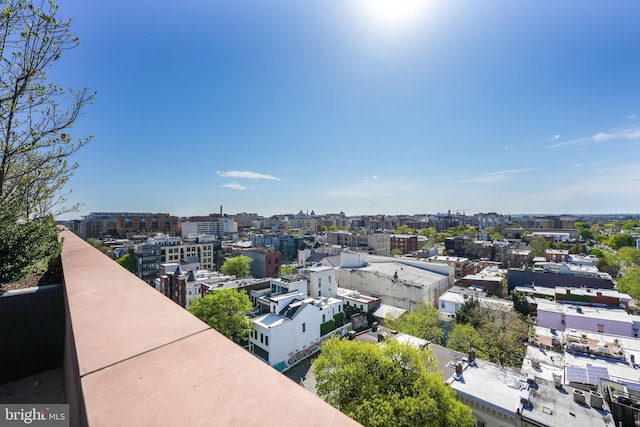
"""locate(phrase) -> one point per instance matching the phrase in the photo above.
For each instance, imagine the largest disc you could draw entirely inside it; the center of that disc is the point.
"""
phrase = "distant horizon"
(517, 215)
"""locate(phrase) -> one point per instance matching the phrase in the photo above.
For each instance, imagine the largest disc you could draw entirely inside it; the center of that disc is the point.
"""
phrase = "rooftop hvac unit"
(557, 380)
(579, 397)
(596, 400)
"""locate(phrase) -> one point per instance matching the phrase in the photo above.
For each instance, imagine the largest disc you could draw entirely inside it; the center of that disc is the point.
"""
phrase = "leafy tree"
(629, 283)
(622, 239)
(497, 236)
(500, 334)
(586, 234)
(630, 224)
(538, 246)
(405, 229)
(597, 252)
(429, 232)
(463, 337)
(395, 384)
(609, 263)
(127, 262)
(239, 266)
(629, 254)
(521, 303)
(422, 322)
(35, 113)
(226, 312)
(285, 270)
(469, 312)
(396, 251)
(26, 247)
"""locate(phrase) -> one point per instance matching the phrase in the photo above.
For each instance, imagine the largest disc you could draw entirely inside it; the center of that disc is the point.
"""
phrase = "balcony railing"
(135, 358)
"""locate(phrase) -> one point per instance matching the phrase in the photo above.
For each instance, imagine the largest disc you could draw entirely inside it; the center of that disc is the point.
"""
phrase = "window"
(323, 318)
(266, 340)
(304, 327)
(319, 292)
(441, 304)
(261, 337)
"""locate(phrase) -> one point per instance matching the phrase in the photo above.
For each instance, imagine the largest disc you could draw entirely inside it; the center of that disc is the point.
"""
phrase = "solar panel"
(577, 375)
(595, 373)
(633, 386)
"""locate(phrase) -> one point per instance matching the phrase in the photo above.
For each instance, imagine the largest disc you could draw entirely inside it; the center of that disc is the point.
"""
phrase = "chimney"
(472, 355)
(459, 369)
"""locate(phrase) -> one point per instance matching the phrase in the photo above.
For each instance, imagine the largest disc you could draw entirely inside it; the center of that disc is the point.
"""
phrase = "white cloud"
(556, 136)
(499, 176)
(630, 134)
(234, 186)
(577, 165)
(247, 175)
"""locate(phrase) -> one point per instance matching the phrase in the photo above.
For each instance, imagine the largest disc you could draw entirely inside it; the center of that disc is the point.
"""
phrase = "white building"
(399, 282)
(450, 302)
(300, 309)
(219, 227)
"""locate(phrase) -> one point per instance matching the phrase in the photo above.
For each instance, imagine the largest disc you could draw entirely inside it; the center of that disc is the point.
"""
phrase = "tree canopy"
(35, 143)
(127, 262)
(393, 384)
(239, 266)
(25, 246)
(498, 335)
(226, 312)
(285, 270)
(422, 322)
(617, 241)
(35, 113)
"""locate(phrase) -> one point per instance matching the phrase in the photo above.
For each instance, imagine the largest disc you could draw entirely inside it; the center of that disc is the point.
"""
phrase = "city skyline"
(364, 107)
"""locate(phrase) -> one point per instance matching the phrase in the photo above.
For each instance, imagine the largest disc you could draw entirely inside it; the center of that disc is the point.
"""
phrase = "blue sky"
(361, 106)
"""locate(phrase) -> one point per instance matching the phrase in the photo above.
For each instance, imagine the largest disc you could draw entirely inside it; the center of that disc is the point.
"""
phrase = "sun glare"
(393, 16)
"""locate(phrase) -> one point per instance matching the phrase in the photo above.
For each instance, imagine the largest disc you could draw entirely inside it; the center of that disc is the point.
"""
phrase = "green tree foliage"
(396, 251)
(629, 283)
(429, 232)
(597, 252)
(500, 335)
(630, 224)
(226, 312)
(609, 263)
(538, 246)
(127, 262)
(25, 246)
(405, 229)
(521, 304)
(239, 266)
(285, 270)
(391, 385)
(629, 254)
(35, 113)
(422, 322)
(617, 241)
(463, 337)
(469, 312)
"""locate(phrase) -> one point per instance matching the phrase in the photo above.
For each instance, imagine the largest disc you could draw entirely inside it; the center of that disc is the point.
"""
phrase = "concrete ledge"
(135, 358)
